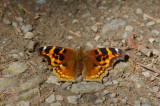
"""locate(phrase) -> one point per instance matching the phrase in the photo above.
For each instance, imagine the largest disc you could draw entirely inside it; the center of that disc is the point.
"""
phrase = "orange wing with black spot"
(98, 60)
(63, 59)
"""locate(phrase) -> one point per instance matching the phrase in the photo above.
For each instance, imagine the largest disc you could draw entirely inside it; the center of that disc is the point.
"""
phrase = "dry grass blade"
(155, 70)
(154, 19)
(74, 33)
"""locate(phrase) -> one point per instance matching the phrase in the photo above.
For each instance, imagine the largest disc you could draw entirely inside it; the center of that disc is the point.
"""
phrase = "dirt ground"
(75, 23)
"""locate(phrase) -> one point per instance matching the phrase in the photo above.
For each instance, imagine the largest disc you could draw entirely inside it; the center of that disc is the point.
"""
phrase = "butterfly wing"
(63, 59)
(98, 60)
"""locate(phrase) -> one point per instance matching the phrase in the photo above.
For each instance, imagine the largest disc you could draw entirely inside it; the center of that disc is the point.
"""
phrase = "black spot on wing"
(61, 57)
(64, 51)
(113, 51)
(48, 59)
(57, 50)
(65, 64)
(103, 50)
(95, 65)
(98, 58)
(55, 62)
(96, 52)
(48, 48)
(104, 58)
(56, 57)
(104, 64)
(53, 55)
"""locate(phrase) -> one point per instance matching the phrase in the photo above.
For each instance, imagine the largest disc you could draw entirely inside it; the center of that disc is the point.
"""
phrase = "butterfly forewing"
(61, 58)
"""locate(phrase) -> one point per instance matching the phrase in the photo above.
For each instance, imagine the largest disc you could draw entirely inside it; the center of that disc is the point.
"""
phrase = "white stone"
(59, 97)
(72, 99)
(94, 28)
(139, 11)
(97, 38)
(129, 28)
(53, 80)
(151, 40)
(29, 35)
(146, 74)
(51, 99)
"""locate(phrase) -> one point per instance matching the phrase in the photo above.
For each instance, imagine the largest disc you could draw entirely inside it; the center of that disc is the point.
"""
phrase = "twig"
(74, 33)
(44, 97)
(154, 19)
(155, 70)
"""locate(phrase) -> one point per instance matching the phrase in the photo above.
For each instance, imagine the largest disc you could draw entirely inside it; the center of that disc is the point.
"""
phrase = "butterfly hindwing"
(63, 59)
(99, 60)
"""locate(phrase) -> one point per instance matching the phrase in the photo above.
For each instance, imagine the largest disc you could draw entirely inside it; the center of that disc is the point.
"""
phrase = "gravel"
(74, 21)
(156, 88)
(59, 97)
(94, 28)
(53, 80)
(51, 99)
(26, 28)
(72, 99)
(41, 1)
(100, 100)
(16, 68)
(151, 23)
(29, 35)
(139, 11)
(146, 74)
(129, 28)
(56, 104)
(97, 38)
(151, 40)
(137, 103)
(83, 87)
(115, 24)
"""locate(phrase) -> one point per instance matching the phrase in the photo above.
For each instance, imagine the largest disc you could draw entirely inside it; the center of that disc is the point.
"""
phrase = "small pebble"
(100, 100)
(97, 38)
(106, 43)
(102, 8)
(94, 28)
(41, 1)
(151, 23)
(65, 85)
(6, 21)
(69, 37)
(29, 35)
(105, 92)
(89, 44)
(156, 88)
(51, 99)
(26, 28)
(72, 99)
(53, 80)
(139, 11)
(156, 32)
(59, 97)
(156, 52)
(115, 100)
(151, 40)
(55, 104)
(146, 74)
(115, 82)
(74, 21)
(137, 103)
(108, 83)
(112, 95)
(129, 28)
(14, 24)
(31, 45)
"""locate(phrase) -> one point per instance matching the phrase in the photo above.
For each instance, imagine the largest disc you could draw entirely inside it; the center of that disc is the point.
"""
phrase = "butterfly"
(92, 64)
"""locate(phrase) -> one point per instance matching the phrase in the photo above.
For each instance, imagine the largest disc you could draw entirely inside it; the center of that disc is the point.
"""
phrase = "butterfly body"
(92, 64)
